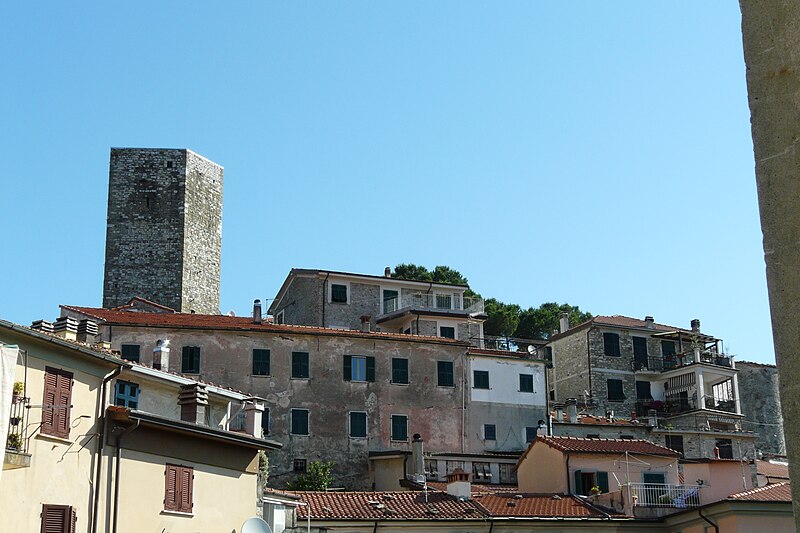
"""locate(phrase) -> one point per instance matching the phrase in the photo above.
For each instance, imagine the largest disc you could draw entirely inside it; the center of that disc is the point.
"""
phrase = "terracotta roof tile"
(609, 446)
(536, 505)
(401, 505)
(621, 321)
(773, 469)
(776, 492)
(236, 323)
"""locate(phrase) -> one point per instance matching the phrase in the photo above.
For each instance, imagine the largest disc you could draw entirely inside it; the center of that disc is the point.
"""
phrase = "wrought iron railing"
(665, 495)
(17, 440)
(673, 361)
(440, 302)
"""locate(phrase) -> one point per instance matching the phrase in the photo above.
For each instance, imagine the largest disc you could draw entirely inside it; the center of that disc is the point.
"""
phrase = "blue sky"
(584, 152)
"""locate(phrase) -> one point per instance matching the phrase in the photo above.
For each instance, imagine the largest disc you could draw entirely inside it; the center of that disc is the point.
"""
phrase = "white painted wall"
(504, 380)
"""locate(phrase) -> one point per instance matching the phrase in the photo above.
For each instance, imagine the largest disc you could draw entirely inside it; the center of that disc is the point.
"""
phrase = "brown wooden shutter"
(49, 400)
(186, 477)
(56, 411)
(58, 519)
(171, 488)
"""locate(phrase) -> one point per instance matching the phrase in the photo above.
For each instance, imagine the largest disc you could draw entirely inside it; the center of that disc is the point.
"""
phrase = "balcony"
(510, 344)
(16, 453)
(396, 308)
(676, 406)
(671, 362)
(654, 495)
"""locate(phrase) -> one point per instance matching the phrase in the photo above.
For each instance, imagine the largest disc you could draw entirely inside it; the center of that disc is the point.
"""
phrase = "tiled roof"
(608, 446)
(401, 505)
(776, 492)
(476, 488)
(772, 469)
(620, 321)
(237, 323)
(536, 505)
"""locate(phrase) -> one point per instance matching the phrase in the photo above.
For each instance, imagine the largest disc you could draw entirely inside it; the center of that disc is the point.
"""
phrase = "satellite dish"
(231, 313)
(532, 349)
(255, 525)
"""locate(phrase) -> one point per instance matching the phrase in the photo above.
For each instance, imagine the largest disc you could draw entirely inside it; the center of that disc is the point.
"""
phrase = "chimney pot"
(193, 399)
(257, 312)
(387, 272)
(696, 325)
(563, 322)
(572, 410)
(417, 459)
(87, 331)
(559, 409)
(253, 414)
(365, 323)
(649, 322)
(66, 327)
(42, 325)
(160, 359)
(458, 484)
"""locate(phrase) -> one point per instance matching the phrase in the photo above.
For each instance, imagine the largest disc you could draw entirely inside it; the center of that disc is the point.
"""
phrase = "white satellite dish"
(532, 349)
(255, 525)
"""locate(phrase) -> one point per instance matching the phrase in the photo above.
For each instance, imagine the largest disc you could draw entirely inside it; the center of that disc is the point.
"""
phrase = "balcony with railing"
(676, 406)
(445, 303)
(649, 500)
(679, 360)
(16, 453)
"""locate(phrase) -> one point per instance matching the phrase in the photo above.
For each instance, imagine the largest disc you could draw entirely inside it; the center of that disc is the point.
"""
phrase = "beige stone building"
(102, 445)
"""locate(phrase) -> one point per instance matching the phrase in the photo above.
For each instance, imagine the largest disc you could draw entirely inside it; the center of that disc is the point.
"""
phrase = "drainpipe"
(127, 430)
(463, 399)
(100, 445)
(548, 421)
(491, 524)
(568, 489)
(715, 526)
(589, 360)
(324, 296)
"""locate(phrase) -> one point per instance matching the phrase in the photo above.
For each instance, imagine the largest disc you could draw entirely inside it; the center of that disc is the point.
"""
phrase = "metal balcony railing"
(665, 495)
(436, 302)
(17, 440)
(673, 406)
(673, 361)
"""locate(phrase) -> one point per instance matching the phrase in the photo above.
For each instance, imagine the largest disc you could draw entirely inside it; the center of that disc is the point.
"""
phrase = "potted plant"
(13, 442)
(595, 490)
(17, 392)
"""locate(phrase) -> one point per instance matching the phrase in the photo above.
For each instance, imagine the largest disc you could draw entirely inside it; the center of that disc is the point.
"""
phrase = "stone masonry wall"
(570, 373)
(761, 405)
(163, 233)
(302, 303)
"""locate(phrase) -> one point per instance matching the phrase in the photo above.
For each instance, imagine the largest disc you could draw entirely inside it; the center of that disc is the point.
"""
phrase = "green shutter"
(347, 371)
(370, 369)
(578, 483)
(602, 481)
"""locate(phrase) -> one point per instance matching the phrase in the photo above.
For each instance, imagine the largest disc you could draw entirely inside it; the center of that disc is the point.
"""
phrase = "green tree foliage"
(412, 272)
(503, 318)
(317, 477)
(440, 274)
(541, 322)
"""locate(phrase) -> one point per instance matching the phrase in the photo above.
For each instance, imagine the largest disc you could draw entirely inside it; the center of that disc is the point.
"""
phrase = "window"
(653, 477)
(530, 433)
(260, 362)
(56, 405)
(667, 348)
(725, 447)
(190, 362)
(640, 351)
(489, 432)
(390, 301)
(300, 365)
(526, 382)
(480, 379)
(265, 422)
(299, 465)
(584, 481)
(444, 301)
(615, 390)
(675, 442)
(481, 471)
(299, 422)
(643, 390)
(452, 466)
(338, 293)
(444, 373)
(358, 425)
(611, 344)
(448, 332)
(359, 368)
(178, 490)
(399, 370)
(58, 519)
(126, 394)
(399, 427)
(432, 469)
(131, 352)
(508, 474)
(280, 318)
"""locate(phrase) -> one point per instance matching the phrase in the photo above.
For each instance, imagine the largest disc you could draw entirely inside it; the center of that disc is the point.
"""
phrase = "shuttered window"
(611, 344)
(444, 374)
(58, 519)
(179, 484)
(56, 403)
(190, 362)
(300, 365)
(358, 368)
(399, 370)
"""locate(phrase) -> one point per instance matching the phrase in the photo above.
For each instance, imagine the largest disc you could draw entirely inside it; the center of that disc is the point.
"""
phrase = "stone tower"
(164, 232)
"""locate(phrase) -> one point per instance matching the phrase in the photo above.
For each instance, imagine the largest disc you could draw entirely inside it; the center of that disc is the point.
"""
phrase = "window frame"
(528, 377)
(298, 364)
(57, 392)
(449, 328)
(349, 369)
(531, 431)
(346, 286)
(475, 384)
(394, 437)
(268, 363)
(191, 355)
(68, 518)
(127, 397)
(183, 500)
(292, 421)
(129, 357)
(266, 423)
(350, 424)
(490, 432)
(442, 374)
(615, 345)
(395, 370)
(622, 397)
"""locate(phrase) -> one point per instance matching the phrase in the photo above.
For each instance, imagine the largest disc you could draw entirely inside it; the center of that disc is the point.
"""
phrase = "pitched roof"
(776, 492)
(400, 505)
(237, 323)
(621, 321)
(775, 470)
(605, 446)
(536, 505)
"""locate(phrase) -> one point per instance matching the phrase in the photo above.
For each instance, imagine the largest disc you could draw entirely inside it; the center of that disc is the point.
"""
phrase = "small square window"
(615, 393)
(299, 421)
(358, 425)
(480, 379)
(126, 394)
(131, 352)
(300, 365)
(261, 362)
(190, 362)
(399, 427)
(489, 432)
(300, 465)
(400, 370)
(359, 368)
(444, 373)
(338, 293)
(448, 332)
(169, 164)
(526, 382)
(611, 344)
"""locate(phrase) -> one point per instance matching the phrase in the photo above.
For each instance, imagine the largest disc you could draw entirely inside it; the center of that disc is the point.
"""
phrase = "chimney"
(257, 312)
(458, 484)
(161, 355)
(66, 327)
(193, 399)
(652, 418)
(42, 325)
(417, 459)
(572, 410)
(253, 413)
(563, 322)
(649, 323)
(696, 325)
(87, 330)
(365, 323)
(387, 272)
(559, 408)
(610, 415)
